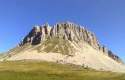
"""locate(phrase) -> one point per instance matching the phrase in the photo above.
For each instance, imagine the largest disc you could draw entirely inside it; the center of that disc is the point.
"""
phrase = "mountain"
(66, 43)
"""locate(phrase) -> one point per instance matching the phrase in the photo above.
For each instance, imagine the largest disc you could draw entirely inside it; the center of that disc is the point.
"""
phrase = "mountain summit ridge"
(67, 31)
(65, 43)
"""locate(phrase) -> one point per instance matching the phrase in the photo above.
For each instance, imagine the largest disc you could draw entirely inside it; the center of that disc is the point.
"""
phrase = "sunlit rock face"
(67, 31)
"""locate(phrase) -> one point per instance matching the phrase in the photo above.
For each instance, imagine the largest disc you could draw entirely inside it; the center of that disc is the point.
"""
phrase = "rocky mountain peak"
(67, 31)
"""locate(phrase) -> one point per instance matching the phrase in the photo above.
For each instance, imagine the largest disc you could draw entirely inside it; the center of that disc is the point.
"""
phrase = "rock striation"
(67, 31)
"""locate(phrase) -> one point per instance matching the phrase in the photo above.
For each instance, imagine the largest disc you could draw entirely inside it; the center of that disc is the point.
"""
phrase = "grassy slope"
(30, 70)
(57, 46)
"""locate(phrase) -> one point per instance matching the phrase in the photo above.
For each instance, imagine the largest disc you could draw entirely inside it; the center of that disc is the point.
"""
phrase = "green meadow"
(37, 70)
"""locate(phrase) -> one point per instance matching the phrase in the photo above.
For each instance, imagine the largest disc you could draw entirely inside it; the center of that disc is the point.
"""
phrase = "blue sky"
(106, 18)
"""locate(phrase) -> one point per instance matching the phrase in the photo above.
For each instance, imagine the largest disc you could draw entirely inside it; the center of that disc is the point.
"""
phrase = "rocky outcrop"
(113, 56)
(67, 31)
(36, 35)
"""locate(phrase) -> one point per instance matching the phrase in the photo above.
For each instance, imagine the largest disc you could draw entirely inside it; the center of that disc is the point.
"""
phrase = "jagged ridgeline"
(62, 34)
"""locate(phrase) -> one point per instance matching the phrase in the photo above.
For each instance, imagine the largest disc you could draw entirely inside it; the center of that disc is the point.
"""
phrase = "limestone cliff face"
(67, 31)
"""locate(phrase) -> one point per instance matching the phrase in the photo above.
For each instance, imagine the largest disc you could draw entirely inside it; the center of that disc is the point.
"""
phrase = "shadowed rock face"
(67, 31)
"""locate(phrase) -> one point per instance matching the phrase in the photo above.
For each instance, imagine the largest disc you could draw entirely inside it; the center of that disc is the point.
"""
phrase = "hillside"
(66, 43)
(37, 70)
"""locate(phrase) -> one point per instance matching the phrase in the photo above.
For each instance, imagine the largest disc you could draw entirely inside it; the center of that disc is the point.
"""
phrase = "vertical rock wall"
(68, 31)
